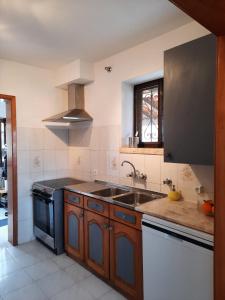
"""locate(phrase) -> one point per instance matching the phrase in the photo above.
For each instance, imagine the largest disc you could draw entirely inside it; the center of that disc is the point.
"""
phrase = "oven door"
(44, 214)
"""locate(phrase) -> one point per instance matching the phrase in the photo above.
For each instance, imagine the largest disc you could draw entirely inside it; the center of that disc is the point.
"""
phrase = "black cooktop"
(59, 183)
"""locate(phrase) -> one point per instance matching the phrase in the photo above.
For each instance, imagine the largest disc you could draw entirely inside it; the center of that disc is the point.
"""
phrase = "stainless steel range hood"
(75, 112)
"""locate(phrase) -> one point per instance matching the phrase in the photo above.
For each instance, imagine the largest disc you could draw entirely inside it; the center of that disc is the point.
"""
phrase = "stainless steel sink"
(110, 192)
(137, 198)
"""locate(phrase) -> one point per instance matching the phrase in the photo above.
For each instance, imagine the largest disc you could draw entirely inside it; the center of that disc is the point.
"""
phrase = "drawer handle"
(73, 199)
(95, 206)
(125, 217)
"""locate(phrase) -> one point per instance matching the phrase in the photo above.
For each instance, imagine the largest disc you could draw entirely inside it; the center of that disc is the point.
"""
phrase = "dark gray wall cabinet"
(189, 93)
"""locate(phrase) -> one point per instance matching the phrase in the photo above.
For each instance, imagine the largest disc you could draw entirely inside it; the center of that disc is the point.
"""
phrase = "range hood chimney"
(75, 112)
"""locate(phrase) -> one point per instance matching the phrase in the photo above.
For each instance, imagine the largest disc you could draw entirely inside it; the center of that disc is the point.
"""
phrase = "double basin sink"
(128, 197)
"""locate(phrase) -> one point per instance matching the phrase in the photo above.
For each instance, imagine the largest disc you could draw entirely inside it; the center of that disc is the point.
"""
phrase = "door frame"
(12, 168)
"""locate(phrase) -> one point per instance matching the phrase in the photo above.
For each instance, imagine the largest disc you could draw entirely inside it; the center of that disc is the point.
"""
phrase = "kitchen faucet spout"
(128, 162)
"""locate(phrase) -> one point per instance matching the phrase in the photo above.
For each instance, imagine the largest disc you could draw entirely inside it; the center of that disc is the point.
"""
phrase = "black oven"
(44, 212)
(48, 211)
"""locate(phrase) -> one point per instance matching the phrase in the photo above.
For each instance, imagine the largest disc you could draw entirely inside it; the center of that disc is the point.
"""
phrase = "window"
(148, 107)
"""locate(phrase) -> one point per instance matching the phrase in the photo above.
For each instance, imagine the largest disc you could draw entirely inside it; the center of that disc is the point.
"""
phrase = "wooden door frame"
(12, 169)
(211, 14)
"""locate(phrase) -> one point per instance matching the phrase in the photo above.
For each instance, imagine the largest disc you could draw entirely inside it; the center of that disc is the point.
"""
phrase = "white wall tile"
(25, 231)
(61, 159)
(23, 161)
(169, 170)
(36, 161)
(153, 169)
(48, 139)
(25, 208)
(36, 138)
(49, 160)
(153, 187)
(112, 163)
(23, 138)
(126, 168)
(61, 139)
(24, 185)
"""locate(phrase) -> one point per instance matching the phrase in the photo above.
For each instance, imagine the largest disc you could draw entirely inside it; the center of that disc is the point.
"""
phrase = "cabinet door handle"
(107, 226)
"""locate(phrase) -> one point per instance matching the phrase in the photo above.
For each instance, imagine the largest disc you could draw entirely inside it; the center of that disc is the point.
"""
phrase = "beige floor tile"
(30, 292)
(41, 269)
(14, 281)
(55, 283)
(77, 272)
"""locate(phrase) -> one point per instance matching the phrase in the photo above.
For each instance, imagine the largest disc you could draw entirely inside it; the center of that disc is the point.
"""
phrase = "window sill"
(146, 151)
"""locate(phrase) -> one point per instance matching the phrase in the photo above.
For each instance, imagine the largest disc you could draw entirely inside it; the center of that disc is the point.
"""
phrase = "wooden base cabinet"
(107, 239)
(74, 227)
(96, 231)
(126, 259)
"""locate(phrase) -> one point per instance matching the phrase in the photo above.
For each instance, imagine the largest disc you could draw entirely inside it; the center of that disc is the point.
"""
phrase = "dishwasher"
(177, 261)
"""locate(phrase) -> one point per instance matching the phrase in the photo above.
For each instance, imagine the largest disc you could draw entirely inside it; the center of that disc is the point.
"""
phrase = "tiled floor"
(32, 272)
(2, 213)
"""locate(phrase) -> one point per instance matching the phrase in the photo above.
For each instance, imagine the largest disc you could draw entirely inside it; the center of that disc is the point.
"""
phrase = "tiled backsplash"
(41, 154)
(94, 154)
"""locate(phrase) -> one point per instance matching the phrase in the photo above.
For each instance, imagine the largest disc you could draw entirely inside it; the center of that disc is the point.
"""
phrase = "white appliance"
(177, 261)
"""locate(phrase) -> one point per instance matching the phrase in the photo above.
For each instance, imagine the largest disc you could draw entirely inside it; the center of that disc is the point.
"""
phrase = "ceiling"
(50, 33)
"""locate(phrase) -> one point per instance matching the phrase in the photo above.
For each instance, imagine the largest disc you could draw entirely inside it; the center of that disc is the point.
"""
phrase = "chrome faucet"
(128, 162)
(135, 174)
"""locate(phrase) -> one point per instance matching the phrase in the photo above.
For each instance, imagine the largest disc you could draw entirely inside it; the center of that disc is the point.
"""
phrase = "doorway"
(8, 171)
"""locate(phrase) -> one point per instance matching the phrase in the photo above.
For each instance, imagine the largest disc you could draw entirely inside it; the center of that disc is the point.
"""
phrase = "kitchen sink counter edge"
(181, 212)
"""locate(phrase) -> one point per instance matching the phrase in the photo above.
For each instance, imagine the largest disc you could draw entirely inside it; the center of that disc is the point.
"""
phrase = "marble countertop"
(180, 212)
(87, 188)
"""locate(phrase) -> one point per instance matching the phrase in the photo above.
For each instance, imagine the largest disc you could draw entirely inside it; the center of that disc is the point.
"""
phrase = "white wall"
(94, 151)
(42, 154)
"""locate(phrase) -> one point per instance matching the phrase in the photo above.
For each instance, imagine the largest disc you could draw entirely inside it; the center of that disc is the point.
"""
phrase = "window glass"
(150, 122)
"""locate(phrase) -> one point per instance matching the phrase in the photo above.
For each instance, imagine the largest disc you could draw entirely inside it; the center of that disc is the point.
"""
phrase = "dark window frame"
(138, 111)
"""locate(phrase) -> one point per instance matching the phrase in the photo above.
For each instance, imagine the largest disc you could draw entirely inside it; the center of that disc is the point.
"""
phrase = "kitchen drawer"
(126, 216)
(74, 198)
(98, 206)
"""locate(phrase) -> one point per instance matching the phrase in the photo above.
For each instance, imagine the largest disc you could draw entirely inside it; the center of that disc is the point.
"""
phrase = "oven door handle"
(41, 198)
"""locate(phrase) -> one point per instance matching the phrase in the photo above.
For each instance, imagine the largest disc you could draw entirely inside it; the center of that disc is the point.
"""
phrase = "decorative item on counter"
(207, 208)
(133, 141)
(174, 195)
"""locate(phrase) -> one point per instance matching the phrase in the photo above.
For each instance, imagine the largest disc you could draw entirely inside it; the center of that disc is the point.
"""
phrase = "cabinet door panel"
(189, 93)
(73, 231)
(126, 259)
(125, 268)
(97, 243)
(74, 241)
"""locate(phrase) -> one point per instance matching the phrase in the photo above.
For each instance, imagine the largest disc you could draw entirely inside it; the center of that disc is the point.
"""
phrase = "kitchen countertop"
(180, 212)
(88, 187)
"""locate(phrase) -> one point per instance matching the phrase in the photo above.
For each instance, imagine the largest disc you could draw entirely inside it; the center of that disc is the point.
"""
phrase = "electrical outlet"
(199, 189)
(95, 172)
